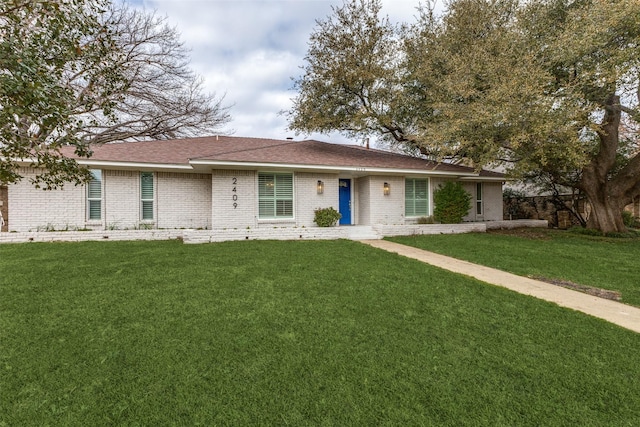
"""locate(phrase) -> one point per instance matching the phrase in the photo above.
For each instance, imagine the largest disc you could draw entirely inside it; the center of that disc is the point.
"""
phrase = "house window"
(479, 207)
(416, 197)
(94, 196)
(275, 195)
(146, 195)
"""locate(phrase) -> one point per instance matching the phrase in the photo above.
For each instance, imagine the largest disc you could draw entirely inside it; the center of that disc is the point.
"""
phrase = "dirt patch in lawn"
(525, 233)
(598, 292)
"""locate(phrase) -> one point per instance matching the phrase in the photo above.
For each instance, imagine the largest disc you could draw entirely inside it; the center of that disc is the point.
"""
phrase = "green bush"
(326, 217)
(629, 220)
(452, 203)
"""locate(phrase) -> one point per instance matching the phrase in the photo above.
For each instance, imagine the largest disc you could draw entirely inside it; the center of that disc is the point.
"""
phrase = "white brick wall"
(95, 235)
(120, 199)
(493, 201)
(307, 199)
(417, 229)
(363, 190)
(183, 200)
(31, 208)
(206, 201)
(470, 187)
(386, 209)
(224, 213)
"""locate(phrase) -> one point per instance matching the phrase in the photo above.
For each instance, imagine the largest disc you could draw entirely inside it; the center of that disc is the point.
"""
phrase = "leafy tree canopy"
(81, 72)
(542, 86)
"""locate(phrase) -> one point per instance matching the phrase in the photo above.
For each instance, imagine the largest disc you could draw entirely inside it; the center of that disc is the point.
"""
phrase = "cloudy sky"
(249, 51)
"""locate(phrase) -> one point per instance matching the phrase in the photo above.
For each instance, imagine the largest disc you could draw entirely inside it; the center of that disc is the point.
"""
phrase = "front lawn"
(607, 263)
(292, 333)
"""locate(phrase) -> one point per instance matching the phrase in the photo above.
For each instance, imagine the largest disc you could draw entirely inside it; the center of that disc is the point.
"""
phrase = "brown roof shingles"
(267, 151)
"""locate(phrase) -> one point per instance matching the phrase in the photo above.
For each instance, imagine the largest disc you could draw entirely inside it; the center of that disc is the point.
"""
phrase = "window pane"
(284, 208)
(95, 185)
(275, 195)
(416, 197)
(95, 209)
(408, 189)
(94, 196)
(266, 209)
(147, 209)
(266, 185)
(284, 186)
(146, 186)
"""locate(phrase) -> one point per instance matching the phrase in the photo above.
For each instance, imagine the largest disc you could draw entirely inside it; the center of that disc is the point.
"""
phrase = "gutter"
(355, 169)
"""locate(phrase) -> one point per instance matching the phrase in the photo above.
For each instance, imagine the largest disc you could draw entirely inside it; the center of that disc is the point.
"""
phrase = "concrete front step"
(362, 232)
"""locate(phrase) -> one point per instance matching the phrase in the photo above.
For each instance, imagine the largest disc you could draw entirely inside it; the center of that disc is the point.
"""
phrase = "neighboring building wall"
(307, 199)
(31, 209)
(121, 199)
(364, 200)
(234, 209)
(470, 187)
(183, 200)
(493, 201)
(4, 207)
(386, 210)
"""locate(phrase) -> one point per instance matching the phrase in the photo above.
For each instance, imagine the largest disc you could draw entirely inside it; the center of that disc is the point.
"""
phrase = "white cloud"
(250, 50)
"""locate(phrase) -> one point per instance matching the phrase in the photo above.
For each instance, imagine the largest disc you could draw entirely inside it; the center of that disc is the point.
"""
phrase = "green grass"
(607, 263)
(292, 333)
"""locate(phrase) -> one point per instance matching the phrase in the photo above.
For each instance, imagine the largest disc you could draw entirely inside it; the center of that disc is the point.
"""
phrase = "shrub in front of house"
(452, 203)
(326, 217)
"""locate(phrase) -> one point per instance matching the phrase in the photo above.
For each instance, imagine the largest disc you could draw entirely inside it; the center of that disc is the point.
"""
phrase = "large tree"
(83, 72)
(543, 86)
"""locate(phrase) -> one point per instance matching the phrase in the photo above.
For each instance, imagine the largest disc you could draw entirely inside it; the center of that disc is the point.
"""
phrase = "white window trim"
(88, 218)
(276, 219)
(479, 199)
(152, 200)
(428, 198)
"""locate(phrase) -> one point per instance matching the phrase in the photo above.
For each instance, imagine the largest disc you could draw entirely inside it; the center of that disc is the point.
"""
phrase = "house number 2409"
(234, 190)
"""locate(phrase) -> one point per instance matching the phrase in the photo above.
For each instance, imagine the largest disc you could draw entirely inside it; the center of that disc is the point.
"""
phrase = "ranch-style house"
(224, 182)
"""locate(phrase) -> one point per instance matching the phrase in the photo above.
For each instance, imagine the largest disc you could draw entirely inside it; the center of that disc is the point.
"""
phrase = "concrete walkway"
(620, 314)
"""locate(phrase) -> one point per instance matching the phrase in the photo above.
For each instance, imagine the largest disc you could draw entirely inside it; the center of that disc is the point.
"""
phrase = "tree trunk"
(606, 214)
(606, 194)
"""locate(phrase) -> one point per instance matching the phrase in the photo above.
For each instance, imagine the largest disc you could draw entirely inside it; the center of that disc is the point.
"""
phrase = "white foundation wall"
(234, 201)
(183, 200)
(32, 209)
(389, 209)
(307, 199)
(120, 200)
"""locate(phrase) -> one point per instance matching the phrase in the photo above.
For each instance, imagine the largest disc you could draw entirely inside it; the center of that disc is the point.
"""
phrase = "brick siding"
(183, 200)
(307, 199)
(224, 199)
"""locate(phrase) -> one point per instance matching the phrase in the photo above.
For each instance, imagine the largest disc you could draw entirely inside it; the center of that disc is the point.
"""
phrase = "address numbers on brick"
(234, 191)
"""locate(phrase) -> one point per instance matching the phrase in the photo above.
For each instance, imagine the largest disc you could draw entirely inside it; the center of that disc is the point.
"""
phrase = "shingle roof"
(216, 149)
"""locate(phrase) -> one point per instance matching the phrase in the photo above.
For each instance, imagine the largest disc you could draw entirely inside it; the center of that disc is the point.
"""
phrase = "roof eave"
(135, 165)
(486, 178)
(328, 168)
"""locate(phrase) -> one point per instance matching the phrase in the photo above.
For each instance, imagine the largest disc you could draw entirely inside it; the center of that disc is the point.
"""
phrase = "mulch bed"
(598, 292)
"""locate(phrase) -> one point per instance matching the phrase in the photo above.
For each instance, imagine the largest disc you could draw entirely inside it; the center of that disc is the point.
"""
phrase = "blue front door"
(344, 197)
